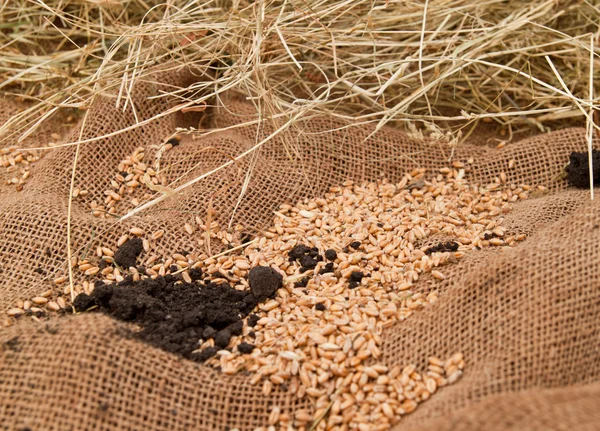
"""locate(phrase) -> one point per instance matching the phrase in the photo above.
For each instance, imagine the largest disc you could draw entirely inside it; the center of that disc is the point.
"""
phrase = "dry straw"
(439, 61)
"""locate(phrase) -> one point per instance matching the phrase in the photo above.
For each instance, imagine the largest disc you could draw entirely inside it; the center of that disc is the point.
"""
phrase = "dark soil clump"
(330, 254)
(264, 282)
(327, 269)
(253, 320)
(175, 317)
(302, 282)
(222, 338)
(128, 253)
(443, 247)
(355, 279)
(298, 251)
(578, 174)
(306, 256)
(245, 348)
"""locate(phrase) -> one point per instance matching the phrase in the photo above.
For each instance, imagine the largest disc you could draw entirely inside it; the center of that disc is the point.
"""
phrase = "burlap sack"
(526, 320)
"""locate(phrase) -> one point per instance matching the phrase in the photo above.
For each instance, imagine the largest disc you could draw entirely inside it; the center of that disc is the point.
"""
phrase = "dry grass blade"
(590, 122)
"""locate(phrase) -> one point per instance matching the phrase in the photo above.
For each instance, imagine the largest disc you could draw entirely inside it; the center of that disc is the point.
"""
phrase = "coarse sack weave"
(526, 320)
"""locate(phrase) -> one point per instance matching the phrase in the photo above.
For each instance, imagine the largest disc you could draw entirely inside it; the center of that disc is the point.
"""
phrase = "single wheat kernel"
(39, 300)
(53, 306)
(15, 312)
(136, 231)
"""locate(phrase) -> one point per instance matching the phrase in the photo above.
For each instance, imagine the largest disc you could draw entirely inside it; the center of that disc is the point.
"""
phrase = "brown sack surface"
(526, 320)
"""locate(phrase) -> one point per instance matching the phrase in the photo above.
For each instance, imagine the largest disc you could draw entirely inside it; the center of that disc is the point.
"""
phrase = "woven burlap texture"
(526, 320)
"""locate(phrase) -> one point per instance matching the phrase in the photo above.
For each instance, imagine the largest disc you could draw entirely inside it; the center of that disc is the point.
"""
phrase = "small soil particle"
(327, 269)
(174, 141)
(222, 338)
(355, 279)
(128, 253)
(40, 270)
(302, 283)
(308, 262)
(245, 348)
(356, 276)
(355, 245)
(264, 282)
(320, 306)
(253, 320)
(578, 174)
(330, 254)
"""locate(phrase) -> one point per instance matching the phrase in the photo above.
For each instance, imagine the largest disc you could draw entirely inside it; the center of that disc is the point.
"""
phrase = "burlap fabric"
(526, 320)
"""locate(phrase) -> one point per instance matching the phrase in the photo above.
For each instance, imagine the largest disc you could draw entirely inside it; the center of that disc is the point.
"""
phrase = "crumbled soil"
(128, 253)
(327, 269)
(443, 247)
(175, 316)
(578, 174)
(355, 279)
(306, 256)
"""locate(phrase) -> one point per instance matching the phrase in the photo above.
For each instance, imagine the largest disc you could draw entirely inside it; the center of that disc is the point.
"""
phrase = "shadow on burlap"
(526, 320)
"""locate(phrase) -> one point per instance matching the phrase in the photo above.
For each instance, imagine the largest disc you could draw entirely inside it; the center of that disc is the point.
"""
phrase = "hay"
(448, 63)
